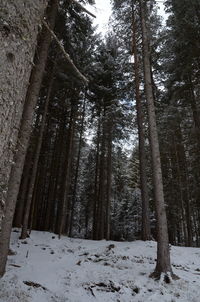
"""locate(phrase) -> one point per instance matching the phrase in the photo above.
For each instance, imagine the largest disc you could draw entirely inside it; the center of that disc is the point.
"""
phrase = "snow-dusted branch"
(83, 8)
(66, 55)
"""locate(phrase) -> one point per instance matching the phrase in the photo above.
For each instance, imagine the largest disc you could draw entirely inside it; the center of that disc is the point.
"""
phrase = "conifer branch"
(66, 55)
(83, 8)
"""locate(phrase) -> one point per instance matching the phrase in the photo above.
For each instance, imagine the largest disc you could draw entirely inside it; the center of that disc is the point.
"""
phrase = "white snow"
(79, 270)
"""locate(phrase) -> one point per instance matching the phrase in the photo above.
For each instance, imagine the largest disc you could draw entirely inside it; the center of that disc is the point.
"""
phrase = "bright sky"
(102, 10)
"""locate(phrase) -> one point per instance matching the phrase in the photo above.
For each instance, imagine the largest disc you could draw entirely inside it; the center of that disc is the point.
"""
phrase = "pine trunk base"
(165, 277)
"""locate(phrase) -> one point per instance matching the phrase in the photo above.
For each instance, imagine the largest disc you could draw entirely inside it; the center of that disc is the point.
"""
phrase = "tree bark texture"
(19, 25)
(163, 255)
(146, 234)
(24, 133)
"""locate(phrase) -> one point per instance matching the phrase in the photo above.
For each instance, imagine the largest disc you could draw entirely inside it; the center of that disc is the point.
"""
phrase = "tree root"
(166, 277)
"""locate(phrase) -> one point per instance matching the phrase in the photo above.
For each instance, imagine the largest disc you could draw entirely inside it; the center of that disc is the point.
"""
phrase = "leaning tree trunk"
(146, 233)
(19, 210)
(35, 163)
(24, 133)
(18, 39)
(163, 254)
(21, 199)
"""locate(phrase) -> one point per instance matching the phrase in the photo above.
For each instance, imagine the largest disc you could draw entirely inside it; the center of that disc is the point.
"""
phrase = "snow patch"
(47, 269)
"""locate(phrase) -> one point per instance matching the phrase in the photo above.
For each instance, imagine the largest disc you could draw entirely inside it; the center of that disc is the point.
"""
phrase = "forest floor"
(46, 269)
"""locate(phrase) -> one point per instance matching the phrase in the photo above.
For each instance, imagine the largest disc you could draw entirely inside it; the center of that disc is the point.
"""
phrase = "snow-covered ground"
(46, 269)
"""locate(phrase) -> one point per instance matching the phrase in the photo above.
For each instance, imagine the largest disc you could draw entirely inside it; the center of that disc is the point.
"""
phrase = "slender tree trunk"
(38, 194)
(43, 166)
(102, 180)
(184, 180)
(19, 211)
(24, 135)
(59, 169)
(109, 182)
(48, 225)
(195, 111)
(34, 204)
(180, 184)
(146, 233)
(96, 198)
(45, 156)
(21, 200)
(188, 216)
(66, 175)
(163, 254)
(35, 162)
(71, 216)
(196, 226)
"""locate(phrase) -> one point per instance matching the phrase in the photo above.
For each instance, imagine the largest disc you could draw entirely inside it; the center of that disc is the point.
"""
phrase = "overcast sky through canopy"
(102, 10)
